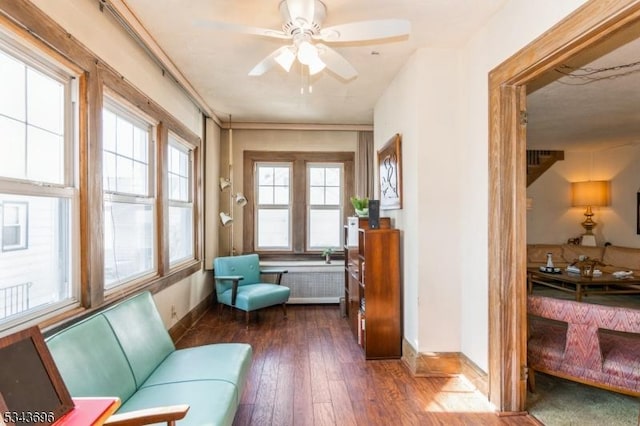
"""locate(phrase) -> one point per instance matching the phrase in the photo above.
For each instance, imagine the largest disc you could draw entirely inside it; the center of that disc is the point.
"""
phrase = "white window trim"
(68, 75)
(339, 207)
(121, 107)
(288, 207)
(180, 144)
(118, 105)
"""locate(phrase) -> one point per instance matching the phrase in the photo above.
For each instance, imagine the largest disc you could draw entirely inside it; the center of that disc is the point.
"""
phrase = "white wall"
(99, 32)
(417, 106)
(448, 266)
(272, 140)
(553, 220)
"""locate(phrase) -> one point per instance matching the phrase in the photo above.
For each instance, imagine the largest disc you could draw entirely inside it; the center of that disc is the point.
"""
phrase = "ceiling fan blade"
(301, 10)
(365, 30)
(243, 29)
(267, 63)
(335, 62)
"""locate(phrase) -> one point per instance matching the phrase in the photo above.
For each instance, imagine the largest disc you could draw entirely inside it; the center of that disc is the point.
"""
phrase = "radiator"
(311, 282)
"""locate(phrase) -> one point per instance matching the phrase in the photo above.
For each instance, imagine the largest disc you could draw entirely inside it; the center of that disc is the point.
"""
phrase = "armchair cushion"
(256, 296)
(248, 266)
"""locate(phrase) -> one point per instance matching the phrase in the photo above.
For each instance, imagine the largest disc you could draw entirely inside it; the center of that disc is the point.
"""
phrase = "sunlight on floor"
(457, 394)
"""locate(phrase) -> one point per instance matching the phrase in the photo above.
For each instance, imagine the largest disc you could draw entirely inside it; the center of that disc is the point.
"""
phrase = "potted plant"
(327, 255)
(361, 205)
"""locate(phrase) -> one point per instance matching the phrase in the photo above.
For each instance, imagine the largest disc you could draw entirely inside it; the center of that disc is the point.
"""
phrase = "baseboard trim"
(444, 364)
(186, 322)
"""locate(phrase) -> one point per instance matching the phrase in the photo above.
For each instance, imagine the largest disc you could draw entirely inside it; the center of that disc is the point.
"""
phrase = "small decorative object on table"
(587, 267)
(549, 268)
(361, 206)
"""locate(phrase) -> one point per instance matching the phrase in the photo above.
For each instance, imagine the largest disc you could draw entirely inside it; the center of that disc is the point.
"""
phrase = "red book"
(89, 411)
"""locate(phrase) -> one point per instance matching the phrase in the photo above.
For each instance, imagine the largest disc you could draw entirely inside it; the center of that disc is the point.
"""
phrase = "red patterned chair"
(591, 344)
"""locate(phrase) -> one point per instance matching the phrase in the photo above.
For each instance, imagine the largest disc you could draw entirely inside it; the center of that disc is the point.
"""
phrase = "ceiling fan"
(303, 26)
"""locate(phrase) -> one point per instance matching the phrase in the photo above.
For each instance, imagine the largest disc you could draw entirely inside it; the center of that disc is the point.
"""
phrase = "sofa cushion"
(572, 252)
(91, 361)
(211, 402)
(622, 257)
(537, 253)
(546, 344)
(233, 361)
(620, 352)
(141, 334)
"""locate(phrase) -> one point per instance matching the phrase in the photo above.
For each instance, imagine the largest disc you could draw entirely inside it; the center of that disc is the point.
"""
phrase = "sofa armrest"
(169, 414)
(234, 282)
(275, 271)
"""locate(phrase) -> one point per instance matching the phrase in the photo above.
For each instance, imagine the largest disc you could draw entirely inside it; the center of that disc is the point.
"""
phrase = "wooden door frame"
(590, 23)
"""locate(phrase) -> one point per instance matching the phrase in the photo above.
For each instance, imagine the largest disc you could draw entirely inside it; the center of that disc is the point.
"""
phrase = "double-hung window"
(38, 190)
(129, 194)
(180, 181)
(298, 201)
(273, 205)
(324, 208)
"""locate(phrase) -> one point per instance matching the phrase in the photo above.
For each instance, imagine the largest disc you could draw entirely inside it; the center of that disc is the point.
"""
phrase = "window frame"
(299, 200)
(41, 39)
(181, 144)
(71, 78)
(123, 108)
(309, 206)
(274, 206)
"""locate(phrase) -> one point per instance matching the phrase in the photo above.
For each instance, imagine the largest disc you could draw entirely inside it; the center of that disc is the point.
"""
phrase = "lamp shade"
(224, 183)
(241, 200)
(225, 219)
(590, 193)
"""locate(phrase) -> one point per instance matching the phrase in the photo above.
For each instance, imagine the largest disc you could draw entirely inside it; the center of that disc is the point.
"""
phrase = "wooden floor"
(308, 370)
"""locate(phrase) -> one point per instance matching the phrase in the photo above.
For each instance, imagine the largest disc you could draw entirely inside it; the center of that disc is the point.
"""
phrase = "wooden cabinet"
(373, 290)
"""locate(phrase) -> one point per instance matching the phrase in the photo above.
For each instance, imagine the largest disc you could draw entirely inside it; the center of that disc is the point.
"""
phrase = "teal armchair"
(239, 284)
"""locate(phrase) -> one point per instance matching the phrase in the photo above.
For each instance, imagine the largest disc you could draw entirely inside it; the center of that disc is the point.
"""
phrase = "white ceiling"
(569, 113)
(564, 112)
(216, 62)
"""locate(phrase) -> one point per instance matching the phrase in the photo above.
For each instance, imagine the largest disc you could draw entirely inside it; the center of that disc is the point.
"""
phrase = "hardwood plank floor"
(308, 370)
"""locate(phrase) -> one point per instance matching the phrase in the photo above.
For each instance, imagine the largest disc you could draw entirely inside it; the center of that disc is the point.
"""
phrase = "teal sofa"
(125, 351)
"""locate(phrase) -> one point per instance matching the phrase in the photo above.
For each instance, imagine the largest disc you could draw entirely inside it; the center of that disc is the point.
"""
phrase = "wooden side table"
(89, 411)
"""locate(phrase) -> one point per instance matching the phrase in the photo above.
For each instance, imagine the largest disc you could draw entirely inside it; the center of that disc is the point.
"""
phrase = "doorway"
(507, 182)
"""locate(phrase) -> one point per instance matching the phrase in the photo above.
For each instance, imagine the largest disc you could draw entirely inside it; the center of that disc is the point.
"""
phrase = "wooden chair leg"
(247, 319)
(284, 309)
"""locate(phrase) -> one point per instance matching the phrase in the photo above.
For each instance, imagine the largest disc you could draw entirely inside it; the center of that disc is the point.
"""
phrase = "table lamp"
(593, 193)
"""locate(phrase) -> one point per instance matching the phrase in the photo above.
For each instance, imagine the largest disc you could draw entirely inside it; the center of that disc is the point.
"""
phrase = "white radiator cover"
(311, 282)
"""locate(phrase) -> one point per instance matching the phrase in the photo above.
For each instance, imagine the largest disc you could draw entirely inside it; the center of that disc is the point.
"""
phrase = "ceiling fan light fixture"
(307, 53)
(316, 66)
(285, 59)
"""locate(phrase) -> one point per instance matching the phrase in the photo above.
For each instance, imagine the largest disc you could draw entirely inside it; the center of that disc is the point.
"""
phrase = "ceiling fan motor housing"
(300, 19)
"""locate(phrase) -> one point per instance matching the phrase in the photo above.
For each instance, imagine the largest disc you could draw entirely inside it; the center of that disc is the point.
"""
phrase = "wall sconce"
(590, 194)
(225, 219)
